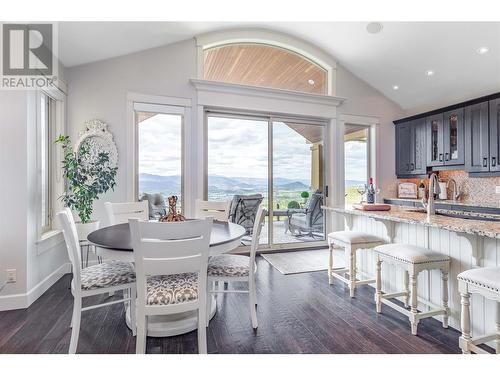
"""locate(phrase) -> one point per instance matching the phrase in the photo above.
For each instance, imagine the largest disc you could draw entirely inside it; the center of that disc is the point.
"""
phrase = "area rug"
(298, 261)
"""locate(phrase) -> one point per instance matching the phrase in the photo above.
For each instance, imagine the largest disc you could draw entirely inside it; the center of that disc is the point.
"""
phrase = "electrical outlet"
(11, 275)
(497, 190)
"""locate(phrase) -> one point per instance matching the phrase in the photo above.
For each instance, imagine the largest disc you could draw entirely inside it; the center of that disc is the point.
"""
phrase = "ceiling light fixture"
(482, 50)
(374, 27)
(395, 87)
(429, 73)
(311, 82)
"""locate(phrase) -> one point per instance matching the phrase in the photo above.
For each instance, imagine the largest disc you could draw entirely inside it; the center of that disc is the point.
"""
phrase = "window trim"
(270, 38)
(159, 104)
(56, 181)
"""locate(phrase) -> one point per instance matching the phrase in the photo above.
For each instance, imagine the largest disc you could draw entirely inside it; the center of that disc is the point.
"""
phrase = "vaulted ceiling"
(399, 55)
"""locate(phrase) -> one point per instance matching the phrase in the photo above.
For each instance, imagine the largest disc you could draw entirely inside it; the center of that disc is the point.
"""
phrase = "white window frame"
(272, 39)
(46, 235)
(166, 105)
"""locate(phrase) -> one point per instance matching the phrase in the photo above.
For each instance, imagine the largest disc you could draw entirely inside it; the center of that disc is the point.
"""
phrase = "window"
(264, 65)
(45, 146)
(279, 159)
(159, 150)
(356, 167)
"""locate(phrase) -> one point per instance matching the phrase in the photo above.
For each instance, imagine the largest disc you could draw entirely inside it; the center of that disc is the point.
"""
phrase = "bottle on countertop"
(421, 190)
(370, 192)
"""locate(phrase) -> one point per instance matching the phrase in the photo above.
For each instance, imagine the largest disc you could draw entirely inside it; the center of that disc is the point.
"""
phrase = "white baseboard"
(24, 300)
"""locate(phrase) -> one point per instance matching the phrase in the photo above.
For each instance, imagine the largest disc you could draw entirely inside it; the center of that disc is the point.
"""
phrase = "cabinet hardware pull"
(446, 157)
(493, 161)
(412, 166)
(440, 157)
(485, 162)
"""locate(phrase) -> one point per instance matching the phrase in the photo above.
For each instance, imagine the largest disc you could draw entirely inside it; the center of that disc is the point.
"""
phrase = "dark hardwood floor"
(299, 313)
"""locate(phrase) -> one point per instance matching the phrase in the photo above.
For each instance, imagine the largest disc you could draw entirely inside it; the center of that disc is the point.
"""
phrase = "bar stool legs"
(414, 302)
(444, 289)
(378, 285)
(465, 323)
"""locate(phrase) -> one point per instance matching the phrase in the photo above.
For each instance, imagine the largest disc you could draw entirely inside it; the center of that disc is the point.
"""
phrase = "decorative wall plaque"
(96, 134)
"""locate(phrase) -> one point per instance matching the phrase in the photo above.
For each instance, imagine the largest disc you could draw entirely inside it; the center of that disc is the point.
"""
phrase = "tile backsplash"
(475, 191)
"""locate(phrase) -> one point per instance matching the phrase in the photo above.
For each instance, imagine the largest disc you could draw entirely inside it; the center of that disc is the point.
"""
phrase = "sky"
(237, 148)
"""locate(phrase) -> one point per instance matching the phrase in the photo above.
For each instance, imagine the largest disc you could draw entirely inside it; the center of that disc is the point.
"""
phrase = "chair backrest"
(217, 210)
(156, 205)
(257, 230)
(243, 210)
(119, 213)
(314, 213)
(170, 248)
(67, 221)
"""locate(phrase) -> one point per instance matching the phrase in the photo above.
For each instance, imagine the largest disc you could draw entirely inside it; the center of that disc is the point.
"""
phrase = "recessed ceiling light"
(429, 73)
(395, 87)
(482, 50)
(374, 27)
(311, 82)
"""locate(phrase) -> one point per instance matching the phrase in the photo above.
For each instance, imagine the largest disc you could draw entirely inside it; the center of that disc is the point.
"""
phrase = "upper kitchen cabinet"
(410, 148)
(494, 135)
(477, 138)
(445, 137)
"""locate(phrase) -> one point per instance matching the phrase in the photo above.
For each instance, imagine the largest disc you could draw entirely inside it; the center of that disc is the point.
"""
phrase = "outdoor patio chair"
(243, 210)
(309, 222)
(156, 203)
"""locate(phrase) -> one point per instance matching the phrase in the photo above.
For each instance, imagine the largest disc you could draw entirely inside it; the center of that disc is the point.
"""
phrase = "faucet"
(456, 190)
(433, 189)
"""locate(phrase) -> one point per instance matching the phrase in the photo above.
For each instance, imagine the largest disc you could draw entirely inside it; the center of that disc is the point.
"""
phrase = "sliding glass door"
(278, 160)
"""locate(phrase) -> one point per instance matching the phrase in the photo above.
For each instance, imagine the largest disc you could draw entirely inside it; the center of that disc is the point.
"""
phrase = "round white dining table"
(114, 243)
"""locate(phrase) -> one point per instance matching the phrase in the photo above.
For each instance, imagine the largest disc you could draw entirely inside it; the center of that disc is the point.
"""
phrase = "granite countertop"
(412, 215)
(444, 201)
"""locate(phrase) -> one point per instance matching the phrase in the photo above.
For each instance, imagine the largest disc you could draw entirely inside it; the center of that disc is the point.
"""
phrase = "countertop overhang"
(408, 215)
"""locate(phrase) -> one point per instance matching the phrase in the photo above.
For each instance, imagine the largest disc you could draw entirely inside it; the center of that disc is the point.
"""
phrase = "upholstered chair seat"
(172, 289)
(107, 274)
(229, 265)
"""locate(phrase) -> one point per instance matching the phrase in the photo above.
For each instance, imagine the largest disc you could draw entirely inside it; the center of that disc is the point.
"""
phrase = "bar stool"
(413, 259)
(485, 282)
(351, 242)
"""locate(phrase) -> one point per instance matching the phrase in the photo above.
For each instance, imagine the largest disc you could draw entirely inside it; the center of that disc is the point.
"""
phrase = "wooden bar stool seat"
(485, 282)
(413, 260)
(351, 242)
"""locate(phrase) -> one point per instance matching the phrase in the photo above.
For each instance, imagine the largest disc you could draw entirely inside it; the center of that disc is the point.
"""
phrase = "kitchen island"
(469, 242)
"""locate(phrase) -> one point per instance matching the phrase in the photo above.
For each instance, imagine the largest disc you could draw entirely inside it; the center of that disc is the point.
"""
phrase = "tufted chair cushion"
(228, 265)
(107, 274)
(172, 289)
(488, 277)
(352, 237)
(411, 254)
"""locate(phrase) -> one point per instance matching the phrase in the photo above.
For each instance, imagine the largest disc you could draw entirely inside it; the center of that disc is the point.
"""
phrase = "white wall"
(98, 90)
(364, 100)
(19, 243)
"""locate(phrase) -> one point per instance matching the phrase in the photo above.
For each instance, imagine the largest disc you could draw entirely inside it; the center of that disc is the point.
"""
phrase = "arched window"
(264, 65)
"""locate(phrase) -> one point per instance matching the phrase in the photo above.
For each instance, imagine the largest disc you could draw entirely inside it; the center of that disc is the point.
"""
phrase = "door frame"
(270, 119)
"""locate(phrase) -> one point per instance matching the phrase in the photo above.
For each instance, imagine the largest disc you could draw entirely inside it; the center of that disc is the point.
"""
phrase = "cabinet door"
(435, 140)
(476, 138)
(403, 137)
(494, 135)
(418, 162)
(453, 126)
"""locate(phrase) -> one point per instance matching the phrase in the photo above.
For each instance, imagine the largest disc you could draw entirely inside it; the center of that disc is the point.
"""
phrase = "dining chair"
(217, 210)
(171, 266)
(231, 267)
(119, 213)
(94, 280)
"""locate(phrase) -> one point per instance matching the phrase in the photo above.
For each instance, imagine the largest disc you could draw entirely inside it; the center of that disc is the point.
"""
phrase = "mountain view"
(223, 188)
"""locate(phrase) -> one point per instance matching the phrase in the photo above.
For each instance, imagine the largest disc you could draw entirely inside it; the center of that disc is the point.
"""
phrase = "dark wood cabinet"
(453, 129)
(445, 137)
(494, 135)
(463, 136)
(410, 148)
(477, 146)
(435, 140)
